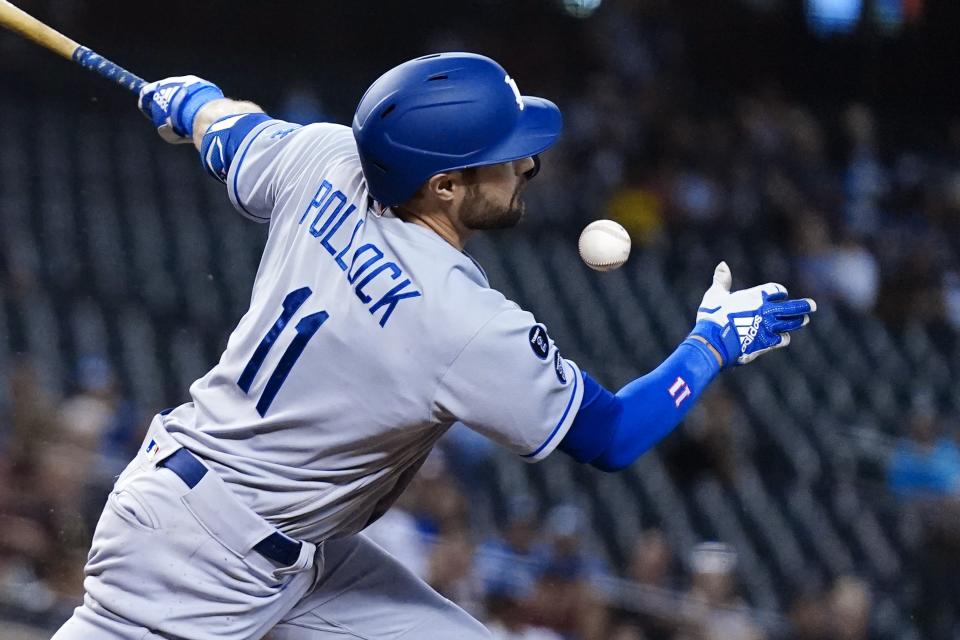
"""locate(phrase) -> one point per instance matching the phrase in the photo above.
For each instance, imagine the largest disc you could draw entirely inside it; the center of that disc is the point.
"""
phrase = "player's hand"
(172, 103)
(743, 324)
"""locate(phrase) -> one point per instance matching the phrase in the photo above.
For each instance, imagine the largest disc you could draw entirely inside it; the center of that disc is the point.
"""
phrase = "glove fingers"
(790, 324)
(792, 308)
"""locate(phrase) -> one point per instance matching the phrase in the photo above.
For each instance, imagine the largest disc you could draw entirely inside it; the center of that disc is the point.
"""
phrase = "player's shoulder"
(261, 134)
(326, 135)
(468, 311)
(331, 130)
(458, 298)
(316, 154)
(466, 287)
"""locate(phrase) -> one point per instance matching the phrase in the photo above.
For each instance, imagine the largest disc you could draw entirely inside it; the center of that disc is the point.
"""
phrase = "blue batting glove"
(744, 324)
(172, 104)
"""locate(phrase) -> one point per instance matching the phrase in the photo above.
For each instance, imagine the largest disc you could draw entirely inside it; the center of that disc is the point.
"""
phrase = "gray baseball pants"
(174, 563)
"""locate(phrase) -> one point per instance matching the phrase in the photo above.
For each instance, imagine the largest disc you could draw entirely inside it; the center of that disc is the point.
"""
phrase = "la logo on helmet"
(516, 90)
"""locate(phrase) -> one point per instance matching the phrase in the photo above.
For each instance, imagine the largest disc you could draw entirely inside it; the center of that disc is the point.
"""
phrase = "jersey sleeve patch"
(559, 367)
(223, 139)
(539, 341)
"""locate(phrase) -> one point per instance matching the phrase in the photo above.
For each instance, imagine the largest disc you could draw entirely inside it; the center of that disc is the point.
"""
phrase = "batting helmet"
(445, 112)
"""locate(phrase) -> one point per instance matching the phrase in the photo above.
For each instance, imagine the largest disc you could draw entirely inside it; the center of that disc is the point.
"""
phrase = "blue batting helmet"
(445, 112)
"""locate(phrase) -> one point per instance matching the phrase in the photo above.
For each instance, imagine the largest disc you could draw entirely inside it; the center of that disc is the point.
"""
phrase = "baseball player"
(369, 333)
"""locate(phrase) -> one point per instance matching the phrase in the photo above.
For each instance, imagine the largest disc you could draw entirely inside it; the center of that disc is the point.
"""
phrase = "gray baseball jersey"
(366, 338)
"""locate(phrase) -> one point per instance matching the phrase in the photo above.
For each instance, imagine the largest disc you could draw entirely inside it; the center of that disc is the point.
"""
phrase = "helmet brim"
(537, 129)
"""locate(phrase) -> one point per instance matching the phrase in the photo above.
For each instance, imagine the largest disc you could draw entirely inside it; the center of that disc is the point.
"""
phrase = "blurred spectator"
(101, 432)
(99, 418)
(32, 417)
(849, 605)
(440, 512)
(857, 275)
(847, 272)
(509, 566)
(639, 208)
(951, 298)
(714, 610)
(809, 616)
(652, 565)
(27, 538)
(925, 471)
(467, 453)
(441, 507)
(924, 464)
(397, 532)
(627, 632)
(652, 561)
(913, 292)
(451, 570)
(564, 599)
(41, 531)
(865, 178)
(513, 561)
(507, 615)
(566, 531)
(696, 196)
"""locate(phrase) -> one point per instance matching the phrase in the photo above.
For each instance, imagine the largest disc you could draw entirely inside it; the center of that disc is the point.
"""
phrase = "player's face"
(493, 195)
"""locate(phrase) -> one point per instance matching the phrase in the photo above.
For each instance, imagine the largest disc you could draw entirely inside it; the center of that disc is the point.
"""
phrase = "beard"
(480, 213)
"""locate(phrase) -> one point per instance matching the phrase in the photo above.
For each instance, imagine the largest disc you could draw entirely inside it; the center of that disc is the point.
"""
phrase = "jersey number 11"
(305, 330)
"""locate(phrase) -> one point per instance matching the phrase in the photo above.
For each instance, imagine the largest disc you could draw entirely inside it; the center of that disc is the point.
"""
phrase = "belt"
(277, 547)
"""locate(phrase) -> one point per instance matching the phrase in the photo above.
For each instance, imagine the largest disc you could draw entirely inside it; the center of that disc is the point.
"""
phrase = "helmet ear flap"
(530, 175)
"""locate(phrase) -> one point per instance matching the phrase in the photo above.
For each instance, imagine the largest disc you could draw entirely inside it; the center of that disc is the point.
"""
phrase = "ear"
(444, 186)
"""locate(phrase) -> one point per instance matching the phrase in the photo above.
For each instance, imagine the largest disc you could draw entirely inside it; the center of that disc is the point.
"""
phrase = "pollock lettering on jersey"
(327, 212)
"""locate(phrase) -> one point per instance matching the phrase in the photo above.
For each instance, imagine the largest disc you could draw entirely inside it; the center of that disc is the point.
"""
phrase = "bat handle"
(98, 64)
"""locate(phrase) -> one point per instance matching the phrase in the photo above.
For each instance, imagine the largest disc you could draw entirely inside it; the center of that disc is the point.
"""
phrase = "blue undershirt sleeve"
(612, 430)
(223, 138)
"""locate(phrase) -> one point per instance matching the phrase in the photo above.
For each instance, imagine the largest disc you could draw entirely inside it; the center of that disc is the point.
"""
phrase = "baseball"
(604, 245)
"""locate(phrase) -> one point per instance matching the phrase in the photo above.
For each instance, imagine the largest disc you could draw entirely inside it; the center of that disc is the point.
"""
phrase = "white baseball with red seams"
(604, 245)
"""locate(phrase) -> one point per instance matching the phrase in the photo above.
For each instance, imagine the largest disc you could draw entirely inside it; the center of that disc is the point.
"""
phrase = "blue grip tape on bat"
(98, 64)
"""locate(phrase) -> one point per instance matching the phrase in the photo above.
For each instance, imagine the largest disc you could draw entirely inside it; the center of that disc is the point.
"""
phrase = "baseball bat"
(29, 27)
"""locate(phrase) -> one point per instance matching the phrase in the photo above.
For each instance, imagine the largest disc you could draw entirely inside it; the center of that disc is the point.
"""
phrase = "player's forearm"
(216, 109)
(611, 431)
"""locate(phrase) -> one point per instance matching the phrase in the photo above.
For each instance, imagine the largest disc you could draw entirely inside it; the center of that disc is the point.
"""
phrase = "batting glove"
(744, 324)
(172, 104)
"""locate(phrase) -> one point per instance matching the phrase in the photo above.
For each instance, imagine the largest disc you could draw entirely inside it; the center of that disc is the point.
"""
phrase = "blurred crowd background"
(815, 495)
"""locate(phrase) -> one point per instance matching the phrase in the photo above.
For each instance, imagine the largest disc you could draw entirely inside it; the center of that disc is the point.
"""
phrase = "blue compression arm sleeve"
(222, 140)
(611, 431)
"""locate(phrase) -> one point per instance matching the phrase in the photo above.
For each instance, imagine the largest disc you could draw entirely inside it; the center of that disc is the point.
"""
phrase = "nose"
(527, 167)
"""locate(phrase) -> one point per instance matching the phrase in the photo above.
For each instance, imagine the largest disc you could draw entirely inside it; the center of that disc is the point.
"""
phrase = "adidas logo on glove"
(747, 329)
(163, 96)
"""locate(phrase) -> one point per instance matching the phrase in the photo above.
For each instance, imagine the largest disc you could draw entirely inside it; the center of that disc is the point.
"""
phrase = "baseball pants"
(174, 563)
